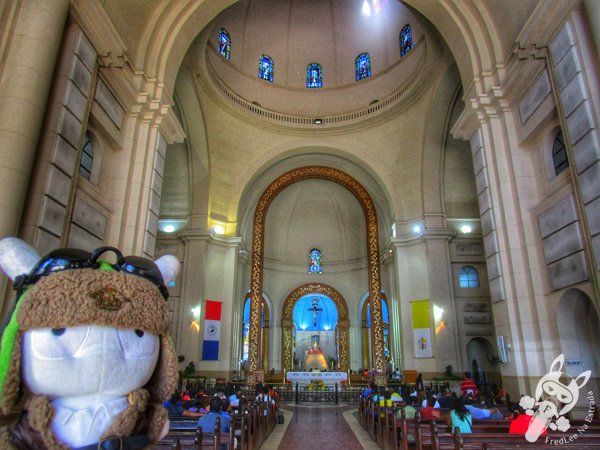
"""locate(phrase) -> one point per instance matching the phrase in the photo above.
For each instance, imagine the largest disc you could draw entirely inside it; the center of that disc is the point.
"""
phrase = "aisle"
(319, 427)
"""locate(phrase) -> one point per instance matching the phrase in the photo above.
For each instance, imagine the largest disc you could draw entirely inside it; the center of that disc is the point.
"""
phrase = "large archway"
(287, 323)
(256, 279)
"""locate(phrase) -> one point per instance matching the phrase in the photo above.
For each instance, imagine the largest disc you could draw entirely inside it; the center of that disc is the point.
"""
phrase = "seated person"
(264, 396)
(521, 421)
(430, 411)
(225, 408)
(484, 413)
(236, 397)
(196, 410)
(445, 400)
(460, 417)
(396, 397)
(409, 409)
(207, 422)
(430, 399)
(174, 406)
(385, 401)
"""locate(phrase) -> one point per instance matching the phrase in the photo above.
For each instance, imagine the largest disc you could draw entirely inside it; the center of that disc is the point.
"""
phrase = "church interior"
(349, 186)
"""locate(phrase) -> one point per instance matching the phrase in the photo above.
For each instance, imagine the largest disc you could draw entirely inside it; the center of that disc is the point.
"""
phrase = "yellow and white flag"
(422, 329)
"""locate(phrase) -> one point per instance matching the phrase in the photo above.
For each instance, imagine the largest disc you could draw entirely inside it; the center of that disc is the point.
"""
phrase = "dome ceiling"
(331, 33)
(315, 213)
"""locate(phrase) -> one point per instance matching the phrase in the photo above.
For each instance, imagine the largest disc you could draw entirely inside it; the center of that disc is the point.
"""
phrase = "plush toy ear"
(17, 257)
(169, 267)
(558, 363)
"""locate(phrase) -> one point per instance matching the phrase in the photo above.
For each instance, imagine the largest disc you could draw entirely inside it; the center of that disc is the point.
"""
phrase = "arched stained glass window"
(559, 154)
(385, 319)
(363, 66)
(406, 41)
(87, 157)
(224, 44)
(265, 68)
(468, 277)
(314, 76)
(314, 263)
(246, 325)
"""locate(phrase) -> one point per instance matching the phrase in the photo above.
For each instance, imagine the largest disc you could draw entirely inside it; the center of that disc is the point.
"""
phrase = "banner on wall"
(422, 329)
(212, 330)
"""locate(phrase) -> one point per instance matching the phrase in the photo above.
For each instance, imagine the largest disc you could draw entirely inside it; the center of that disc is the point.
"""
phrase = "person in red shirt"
(521, 421)
(468, 387)
(430, 411)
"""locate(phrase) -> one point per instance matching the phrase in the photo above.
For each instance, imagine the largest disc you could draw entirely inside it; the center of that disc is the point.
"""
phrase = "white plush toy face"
(82, 360)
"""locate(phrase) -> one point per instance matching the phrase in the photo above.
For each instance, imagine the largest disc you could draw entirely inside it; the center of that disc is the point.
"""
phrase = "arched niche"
(287, 323)
(579, 332)
(257, 269)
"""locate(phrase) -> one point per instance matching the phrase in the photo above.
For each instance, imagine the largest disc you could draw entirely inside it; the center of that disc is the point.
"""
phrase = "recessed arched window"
(366, 319)
(406, 41)
(314, 261)
(363, 66)
(87, 157)
(559, 154)
(314, 76)
(265, 68)
(224, 44)
(468, 277)
(246, 325)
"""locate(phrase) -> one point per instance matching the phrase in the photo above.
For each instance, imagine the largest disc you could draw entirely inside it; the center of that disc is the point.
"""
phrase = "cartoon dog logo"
(556, 394)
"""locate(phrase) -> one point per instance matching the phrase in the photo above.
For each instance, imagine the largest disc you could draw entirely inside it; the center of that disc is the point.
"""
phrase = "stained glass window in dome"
(406, 41)
(265, 68)
(224, 44)
(363, 66)
(314, 76)
(314, 263)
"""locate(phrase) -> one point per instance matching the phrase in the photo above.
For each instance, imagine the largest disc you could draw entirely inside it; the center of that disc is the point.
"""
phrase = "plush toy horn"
(17, 257)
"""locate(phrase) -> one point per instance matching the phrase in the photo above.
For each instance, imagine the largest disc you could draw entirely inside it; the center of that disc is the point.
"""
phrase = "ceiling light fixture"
(366, 8)
(466, 229)
(318, 121)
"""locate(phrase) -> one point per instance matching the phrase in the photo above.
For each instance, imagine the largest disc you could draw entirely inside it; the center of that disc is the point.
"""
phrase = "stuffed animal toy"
(85, 357)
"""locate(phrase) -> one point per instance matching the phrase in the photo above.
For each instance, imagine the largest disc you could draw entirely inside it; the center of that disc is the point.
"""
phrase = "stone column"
(192, 293)
(33, 36)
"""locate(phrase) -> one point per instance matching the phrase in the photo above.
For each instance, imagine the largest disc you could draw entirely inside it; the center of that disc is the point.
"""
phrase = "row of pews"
(248, 431)
(389, 427)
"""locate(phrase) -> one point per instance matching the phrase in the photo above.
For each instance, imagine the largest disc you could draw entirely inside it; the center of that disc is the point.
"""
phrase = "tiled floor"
(319, 427)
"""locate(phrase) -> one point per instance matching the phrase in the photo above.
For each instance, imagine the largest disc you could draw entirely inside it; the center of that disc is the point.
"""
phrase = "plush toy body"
(86, 355)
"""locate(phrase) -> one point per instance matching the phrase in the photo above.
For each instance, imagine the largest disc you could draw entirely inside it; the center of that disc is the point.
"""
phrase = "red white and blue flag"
(212, 330)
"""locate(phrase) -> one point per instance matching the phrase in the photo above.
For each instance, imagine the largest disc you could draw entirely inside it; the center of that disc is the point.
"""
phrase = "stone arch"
(256, 277)
(287, 322)
(578, 330)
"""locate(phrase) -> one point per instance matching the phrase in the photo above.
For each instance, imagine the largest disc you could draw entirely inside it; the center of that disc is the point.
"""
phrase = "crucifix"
(315, 309)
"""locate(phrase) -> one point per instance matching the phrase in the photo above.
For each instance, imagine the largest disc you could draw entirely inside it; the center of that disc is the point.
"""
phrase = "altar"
(328, 378)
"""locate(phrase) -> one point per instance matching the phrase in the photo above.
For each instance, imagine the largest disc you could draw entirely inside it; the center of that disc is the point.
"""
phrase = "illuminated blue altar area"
(315, 329)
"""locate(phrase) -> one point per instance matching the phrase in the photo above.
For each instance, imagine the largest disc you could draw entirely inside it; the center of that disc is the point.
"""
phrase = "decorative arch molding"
(287, 323)
(256, 277)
